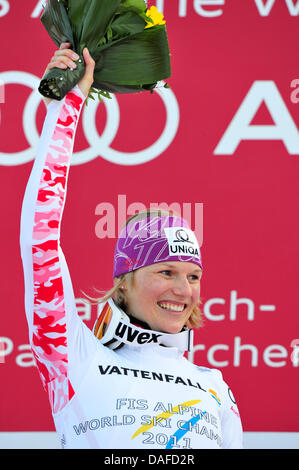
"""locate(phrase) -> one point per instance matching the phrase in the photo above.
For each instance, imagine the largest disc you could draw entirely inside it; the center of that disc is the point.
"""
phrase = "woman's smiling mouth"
(174, 307)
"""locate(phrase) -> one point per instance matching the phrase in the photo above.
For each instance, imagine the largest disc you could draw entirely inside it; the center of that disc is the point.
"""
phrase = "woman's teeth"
(175, 308)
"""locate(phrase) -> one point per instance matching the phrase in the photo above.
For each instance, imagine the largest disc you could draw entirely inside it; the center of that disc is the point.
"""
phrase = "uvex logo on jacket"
(134, 335)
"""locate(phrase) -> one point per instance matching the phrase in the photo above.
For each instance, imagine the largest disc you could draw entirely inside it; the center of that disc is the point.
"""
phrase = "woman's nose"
(182, 287)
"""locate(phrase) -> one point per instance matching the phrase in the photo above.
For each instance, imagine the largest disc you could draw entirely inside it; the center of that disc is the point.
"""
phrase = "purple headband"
(154, 240)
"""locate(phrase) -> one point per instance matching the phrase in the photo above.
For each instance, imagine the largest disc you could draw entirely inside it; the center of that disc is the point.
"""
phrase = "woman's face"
(164, 294)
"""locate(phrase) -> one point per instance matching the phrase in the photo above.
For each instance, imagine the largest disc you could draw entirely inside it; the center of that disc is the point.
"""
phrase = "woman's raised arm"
(49, 299)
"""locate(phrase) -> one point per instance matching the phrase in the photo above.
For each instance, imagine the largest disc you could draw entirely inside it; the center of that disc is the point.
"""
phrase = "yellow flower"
(156, 16)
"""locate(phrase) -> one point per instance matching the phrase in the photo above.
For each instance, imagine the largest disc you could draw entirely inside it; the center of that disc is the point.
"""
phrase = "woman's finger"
(66, 52)
(57, 64)
(65, 45)
(87, 79)
(63, 61)
(67, 59)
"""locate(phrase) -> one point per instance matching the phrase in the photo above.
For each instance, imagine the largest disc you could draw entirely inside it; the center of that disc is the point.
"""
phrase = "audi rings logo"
(99, 145)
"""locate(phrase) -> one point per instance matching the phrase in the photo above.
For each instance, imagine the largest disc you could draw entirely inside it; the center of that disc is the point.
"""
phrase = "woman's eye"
(166, 272)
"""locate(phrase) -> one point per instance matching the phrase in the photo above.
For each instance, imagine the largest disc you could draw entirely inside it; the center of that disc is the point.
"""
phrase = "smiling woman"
(164, 296)
(120, 384)
(169, 286)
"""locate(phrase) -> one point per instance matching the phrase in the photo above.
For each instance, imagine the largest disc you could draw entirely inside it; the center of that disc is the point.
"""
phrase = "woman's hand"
(64, 57)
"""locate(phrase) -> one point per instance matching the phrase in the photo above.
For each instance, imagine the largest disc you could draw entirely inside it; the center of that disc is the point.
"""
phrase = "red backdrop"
(224, 142)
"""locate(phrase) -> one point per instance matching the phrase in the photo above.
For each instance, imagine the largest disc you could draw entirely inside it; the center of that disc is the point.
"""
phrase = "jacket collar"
(122, 329)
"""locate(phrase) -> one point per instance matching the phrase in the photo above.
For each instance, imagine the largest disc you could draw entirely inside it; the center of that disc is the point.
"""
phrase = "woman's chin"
(171, 329)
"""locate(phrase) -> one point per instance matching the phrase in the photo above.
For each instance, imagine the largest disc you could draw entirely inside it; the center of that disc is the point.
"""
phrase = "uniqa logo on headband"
(182, 241)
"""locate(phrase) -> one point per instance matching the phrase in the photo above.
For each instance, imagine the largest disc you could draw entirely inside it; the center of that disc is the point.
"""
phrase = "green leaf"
(138, 7)
(105, 94)
(146, 18)
(76, 11)
(109, 33)
(56, 22)
(96, 22)
(127, 24)
(135, 60)
(136, 4)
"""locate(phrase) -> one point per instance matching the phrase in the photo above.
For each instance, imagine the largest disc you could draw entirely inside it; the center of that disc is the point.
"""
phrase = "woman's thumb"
(89, 62)
(88, 78)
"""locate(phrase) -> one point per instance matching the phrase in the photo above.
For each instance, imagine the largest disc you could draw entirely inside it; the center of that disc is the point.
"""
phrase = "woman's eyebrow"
(165, 264)
(196, 270)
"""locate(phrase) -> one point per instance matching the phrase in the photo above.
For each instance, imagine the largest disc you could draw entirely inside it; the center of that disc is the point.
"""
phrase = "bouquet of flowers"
(127, 40)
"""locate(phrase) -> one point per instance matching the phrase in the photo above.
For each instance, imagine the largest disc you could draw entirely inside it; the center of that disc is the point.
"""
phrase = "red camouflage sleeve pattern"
(49, 340)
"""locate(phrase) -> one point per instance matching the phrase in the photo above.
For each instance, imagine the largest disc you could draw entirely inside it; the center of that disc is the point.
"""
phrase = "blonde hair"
(117, 293)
